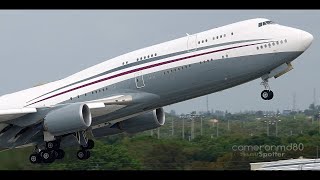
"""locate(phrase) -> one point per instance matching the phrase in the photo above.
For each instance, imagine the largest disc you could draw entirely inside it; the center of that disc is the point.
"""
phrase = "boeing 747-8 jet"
(127, 93)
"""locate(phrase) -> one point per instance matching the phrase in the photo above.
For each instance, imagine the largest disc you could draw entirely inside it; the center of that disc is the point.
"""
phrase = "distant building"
(291, 164)
(219, 113)
(286, 112)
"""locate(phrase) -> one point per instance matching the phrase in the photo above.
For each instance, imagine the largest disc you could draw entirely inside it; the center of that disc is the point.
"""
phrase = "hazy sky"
(46, 45)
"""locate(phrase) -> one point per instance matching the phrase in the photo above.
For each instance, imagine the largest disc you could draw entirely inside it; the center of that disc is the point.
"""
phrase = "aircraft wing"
(98, 107)
(9, 114)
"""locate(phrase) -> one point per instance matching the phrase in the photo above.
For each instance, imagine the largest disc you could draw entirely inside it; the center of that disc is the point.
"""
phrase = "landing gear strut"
(266, 94)
(85, 144)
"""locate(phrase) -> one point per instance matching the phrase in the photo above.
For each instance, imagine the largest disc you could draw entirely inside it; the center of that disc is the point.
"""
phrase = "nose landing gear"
(266, 94)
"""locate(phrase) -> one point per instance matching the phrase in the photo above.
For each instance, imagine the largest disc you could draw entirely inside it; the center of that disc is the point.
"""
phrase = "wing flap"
(9, 114)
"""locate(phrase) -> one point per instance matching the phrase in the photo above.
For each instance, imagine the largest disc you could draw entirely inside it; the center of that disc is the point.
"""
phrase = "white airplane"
(127, 93)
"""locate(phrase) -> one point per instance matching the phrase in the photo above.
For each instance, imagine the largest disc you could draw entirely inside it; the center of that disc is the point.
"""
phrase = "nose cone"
(306, 39)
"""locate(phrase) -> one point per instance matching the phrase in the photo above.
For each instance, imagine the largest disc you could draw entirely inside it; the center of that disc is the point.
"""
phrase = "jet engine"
(143, 122)
(68, 119)
(146, 121)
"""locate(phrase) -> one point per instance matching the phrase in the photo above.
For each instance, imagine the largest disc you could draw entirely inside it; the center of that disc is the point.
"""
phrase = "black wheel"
(265, 94)
(88, 155)
(52, 145)
(48, 156)
(35, 158)
(59, 154)
(89, 145)
(270, 94)
(83, 154)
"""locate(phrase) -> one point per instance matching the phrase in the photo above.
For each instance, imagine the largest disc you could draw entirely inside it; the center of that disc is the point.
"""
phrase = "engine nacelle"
(68, 119)
(146, 121)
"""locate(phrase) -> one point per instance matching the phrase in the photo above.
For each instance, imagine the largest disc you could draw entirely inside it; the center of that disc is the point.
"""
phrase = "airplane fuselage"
(174, 71)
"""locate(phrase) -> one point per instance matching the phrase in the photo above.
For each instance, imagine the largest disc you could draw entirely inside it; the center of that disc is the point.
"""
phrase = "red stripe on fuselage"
(139, 69)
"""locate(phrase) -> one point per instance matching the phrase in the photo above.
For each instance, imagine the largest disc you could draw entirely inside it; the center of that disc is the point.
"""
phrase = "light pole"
(192, 128)
(277, 127)
(267, 127)
(217, 128)
(182, 117)
(172, 130)
(319, 122)
(201, 125)
(182, 128)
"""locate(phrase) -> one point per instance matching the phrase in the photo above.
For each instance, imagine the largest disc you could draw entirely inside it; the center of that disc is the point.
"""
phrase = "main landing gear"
(83, 153)
(49, 154)
(266, 94)
(52, 151)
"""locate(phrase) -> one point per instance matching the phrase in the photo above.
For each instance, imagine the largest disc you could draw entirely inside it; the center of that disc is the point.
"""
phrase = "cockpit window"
(265, 23)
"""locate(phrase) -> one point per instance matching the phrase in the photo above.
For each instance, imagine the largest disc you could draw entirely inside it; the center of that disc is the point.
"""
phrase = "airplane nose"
(306, 39)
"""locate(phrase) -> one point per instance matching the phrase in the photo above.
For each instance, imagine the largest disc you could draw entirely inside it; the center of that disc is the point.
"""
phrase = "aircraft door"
(138, 78)
(192, 43)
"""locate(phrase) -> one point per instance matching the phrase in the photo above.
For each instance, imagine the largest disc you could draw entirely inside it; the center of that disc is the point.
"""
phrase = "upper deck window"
(265, 23)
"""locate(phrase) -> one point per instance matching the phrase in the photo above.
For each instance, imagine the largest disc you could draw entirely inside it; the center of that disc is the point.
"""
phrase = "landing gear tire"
(52, 145)
(266, 94)
(48, 156)
(83, 154)
(59, 153)
(90, 144)
(35, 158)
